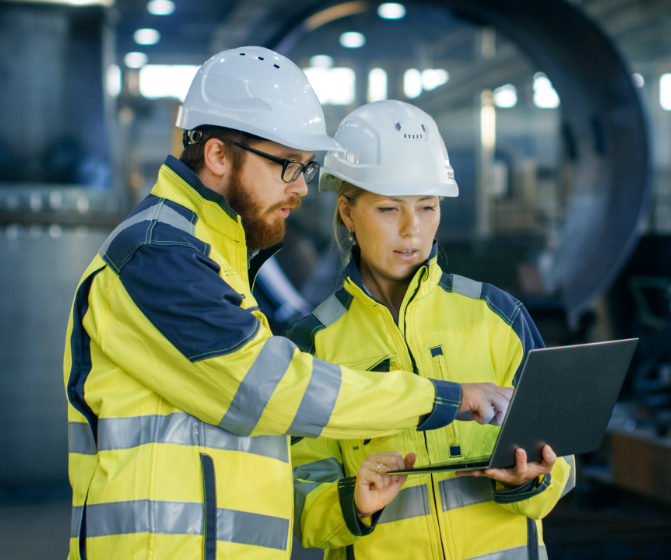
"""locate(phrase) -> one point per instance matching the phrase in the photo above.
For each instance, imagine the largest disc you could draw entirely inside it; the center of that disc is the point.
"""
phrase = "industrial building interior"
(557, 120)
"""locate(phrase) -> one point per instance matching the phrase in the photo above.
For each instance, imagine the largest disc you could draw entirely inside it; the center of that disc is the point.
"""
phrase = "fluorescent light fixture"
(665, 91)
(434, 77)
(391, 10)
(75, 2)
(352, 40)
(135, 59)
(505, 96)
(377, 85)
(638, 80)
(147, 36)
(545, 96)
(113, 80)
(412, 83)
(160, 7)
(321, 61)
(166, 80)
(333, 86)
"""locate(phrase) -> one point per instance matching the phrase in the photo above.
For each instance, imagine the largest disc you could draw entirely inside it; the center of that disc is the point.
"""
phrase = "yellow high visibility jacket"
(180, 400)
(450, 328)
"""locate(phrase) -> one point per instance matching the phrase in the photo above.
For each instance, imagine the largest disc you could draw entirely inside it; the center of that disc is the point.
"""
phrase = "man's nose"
(298, 187)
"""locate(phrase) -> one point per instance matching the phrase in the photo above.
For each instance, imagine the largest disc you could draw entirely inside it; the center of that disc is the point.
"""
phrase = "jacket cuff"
(445, 406)
(346, 495)
(521, 493)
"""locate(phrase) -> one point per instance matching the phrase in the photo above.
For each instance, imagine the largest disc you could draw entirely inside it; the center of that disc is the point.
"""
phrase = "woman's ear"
(345, 212)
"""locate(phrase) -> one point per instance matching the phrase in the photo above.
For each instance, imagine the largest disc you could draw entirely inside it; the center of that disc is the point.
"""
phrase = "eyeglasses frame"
(283, 162)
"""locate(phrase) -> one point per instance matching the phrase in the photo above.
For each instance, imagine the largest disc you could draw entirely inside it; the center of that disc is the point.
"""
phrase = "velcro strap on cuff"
(445, 406)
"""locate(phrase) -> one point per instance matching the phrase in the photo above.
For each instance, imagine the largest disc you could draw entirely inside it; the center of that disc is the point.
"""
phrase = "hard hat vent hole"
(260, 57)
(275, 65)
(405, 136)
(242, 54)
(424, 129)
(398, 126)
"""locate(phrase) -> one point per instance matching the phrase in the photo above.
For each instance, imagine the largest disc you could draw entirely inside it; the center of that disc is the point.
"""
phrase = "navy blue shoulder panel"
(303, 333)
(154, 221)
(512, 311)
(80, 349)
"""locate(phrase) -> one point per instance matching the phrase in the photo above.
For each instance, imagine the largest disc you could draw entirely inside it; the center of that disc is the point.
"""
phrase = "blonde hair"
(341, 234)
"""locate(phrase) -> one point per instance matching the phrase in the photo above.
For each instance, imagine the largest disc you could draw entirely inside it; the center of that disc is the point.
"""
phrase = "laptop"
(564, 398)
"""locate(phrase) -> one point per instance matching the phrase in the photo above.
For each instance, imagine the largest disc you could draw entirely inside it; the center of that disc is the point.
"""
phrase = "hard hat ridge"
(260, 92)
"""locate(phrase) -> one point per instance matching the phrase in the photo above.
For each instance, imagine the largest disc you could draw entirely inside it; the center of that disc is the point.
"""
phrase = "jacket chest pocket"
(441, 372)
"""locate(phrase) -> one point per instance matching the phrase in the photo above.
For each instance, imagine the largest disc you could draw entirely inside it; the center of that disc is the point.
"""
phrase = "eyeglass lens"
(294, 169)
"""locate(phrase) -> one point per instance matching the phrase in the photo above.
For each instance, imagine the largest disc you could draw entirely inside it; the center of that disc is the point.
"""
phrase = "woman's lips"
(407, 254)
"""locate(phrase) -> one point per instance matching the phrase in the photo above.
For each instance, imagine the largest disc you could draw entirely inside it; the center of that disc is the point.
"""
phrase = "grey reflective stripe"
(258, 386)
(517, 553)
(180, 428)
(467, 491)
(330, 310)
(158, 212)
(80, 438)
(184, 518)
(252, 528)
(466, 287)
(542, 553)
(318, 400)
(144, 516)
(317, 473)
(570, 483)
(408, 503)
(76, 521)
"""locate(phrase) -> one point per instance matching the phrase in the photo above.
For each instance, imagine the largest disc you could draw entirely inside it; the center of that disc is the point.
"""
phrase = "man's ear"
(215, 157)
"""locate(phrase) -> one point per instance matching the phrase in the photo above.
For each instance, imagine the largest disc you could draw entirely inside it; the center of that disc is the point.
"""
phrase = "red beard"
(263, 228)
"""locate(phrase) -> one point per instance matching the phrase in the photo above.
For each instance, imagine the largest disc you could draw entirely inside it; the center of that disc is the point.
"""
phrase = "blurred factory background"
(557, 120)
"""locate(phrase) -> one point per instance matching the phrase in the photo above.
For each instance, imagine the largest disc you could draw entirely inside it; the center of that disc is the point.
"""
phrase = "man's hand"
(522, 472)
(374, 490)
(486, 403)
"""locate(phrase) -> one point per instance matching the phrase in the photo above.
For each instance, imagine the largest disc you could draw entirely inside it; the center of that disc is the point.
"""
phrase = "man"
(180, 400)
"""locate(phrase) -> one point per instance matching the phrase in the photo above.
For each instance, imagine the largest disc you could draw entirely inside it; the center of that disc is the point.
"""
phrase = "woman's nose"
(410, 226)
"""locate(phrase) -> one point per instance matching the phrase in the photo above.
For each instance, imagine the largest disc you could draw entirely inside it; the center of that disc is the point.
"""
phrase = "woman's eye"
(429, 208)
(386, 210)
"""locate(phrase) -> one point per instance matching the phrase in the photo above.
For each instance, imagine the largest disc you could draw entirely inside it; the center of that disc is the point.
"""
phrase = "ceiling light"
(377, 85)
(638, 80)
(333, 86)
(391, 10)
(505, 96)
(434, 77)
(352, 40)
(412, 83)
(160, 7)
(545, 96)
(146, 36)
(135, 59)
(665, 91)
(113, 80)
(321, 61)
(166, 80)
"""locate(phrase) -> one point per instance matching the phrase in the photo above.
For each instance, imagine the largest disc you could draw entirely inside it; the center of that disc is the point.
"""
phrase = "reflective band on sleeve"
(76, 521)
(252, 528)
(466, 287)
(318, 400)
(177, 428)
(410, 502)
(258, 386)
(517, 553)
(570, 483)
(467, 491)
(159, 212)
(184, 518)
(80, 439)
(329, 311)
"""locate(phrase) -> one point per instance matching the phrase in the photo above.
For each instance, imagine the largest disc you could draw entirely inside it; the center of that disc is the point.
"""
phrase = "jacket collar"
(352, 273)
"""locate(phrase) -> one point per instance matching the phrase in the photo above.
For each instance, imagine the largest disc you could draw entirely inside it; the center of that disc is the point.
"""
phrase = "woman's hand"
(522, 472)
(374, 490)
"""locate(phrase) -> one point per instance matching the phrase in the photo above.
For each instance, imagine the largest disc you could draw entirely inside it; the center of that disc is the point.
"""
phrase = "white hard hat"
(390, 148)
(260, 92)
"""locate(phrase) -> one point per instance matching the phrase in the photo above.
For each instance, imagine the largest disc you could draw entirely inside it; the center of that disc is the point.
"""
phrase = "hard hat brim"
(327, 183)
(189, 119)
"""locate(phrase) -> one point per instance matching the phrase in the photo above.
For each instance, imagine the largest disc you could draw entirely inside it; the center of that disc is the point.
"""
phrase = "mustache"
(293, 203)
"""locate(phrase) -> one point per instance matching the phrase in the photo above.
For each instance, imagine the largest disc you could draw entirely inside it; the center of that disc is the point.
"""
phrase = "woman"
(398, 310)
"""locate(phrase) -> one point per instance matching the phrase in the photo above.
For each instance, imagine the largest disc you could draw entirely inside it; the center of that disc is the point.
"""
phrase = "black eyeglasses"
(291, 169)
